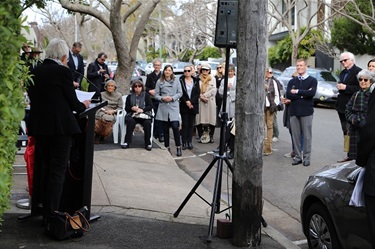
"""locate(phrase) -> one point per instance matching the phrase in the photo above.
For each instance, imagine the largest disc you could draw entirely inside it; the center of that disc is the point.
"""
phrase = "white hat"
(206, 66)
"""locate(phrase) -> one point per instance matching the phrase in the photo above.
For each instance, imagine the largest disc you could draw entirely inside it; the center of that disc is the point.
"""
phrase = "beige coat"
(207, 111)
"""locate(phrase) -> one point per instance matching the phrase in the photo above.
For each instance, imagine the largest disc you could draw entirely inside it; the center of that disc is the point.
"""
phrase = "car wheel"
(321, 232)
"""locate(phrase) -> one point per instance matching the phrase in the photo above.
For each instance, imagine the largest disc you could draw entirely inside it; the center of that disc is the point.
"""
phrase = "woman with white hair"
(106, 117)
(52, 123)
(356, 109)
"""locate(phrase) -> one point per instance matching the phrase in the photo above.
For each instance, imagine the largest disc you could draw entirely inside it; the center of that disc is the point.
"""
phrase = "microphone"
(90, 82)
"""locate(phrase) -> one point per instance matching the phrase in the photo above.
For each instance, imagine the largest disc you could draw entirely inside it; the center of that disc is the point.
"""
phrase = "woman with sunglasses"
(168, 92)
(356, 109)
(138, 102)
(188, 106)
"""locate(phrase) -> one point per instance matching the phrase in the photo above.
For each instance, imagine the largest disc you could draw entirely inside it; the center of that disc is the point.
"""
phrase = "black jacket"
(151, 80)
(76, 73)
(352, 86)
(53, 100)
(194, 99)
(96, 78)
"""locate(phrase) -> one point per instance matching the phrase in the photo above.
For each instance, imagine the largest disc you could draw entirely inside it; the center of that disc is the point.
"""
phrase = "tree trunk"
(247, 175)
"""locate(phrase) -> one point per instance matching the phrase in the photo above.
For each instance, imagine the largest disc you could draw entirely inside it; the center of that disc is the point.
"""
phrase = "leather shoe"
(161, 139)
(179, 153)
(190, 146)
(184, 146)
(306, 163)
(344, 160)
(149, 147)
(231, 154)
(296, 162)
(125, 146)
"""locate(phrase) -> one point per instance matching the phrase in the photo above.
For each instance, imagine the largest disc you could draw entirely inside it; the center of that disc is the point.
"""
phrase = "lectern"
(78, 179)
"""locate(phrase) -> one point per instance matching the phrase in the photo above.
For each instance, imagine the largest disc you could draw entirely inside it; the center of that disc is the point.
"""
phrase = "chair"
(120, 121)
(123, 128)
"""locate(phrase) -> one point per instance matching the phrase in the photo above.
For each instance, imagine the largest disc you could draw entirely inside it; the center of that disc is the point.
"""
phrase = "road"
(282, 182)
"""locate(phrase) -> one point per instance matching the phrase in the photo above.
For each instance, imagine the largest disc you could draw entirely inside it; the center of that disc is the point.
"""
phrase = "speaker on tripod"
(226, 36)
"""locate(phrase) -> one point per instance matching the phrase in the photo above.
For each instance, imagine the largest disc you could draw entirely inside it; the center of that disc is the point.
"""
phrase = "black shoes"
(161, 139)
(190, 146)
(184, 146)
(306, 163)
(148, 147)
(231, 154)
(296, 162)
(179, 153)
(125, 146)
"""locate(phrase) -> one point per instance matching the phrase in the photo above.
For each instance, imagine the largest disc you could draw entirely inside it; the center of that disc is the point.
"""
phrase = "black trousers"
(158, 126)
(175, 125)
(130, 125)
(187, 127)
(54, 153)
(370, 207)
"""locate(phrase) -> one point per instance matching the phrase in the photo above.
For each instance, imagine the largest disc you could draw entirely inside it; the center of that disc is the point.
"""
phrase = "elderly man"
(347, 86)
(301, 91)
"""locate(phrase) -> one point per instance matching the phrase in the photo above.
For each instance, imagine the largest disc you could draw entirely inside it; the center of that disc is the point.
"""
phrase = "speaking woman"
(51, 121)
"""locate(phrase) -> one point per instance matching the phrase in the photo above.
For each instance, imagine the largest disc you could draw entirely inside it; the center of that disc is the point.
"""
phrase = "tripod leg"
(216, 198)
(192, 191)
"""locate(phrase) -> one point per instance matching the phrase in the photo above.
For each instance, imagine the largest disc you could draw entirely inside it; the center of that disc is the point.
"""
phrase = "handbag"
(142, 115)
(62, 225)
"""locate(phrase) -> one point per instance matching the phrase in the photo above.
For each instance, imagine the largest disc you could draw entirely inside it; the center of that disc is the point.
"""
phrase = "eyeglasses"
(157, 65)
(137, 86)
(187, 71)
(270, 72)
(219, 67)
(361, 79)
(344, 60)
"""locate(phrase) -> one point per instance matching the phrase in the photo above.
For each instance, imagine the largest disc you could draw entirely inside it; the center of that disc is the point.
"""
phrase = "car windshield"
(317, 74)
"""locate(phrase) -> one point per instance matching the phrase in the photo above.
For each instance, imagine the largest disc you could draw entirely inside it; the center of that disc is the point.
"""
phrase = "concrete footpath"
(135, 193)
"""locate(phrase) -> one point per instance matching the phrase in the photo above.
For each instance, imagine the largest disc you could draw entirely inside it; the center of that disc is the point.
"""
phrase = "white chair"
(123, 129)
(120, 121)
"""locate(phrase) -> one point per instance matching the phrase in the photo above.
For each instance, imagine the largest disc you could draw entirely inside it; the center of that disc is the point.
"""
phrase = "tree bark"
(247, 175)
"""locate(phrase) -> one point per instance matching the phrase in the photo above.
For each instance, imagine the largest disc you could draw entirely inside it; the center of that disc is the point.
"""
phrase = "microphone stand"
(90, 83)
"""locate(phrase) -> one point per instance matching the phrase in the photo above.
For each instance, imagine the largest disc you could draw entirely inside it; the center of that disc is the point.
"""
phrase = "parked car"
(178, 67)
(141, 66)
(136, 75)
(276, 72)
(328, 221)
(326, 91)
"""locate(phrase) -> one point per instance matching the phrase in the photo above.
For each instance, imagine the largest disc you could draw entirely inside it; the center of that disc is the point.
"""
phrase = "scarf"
(205, 82)
(141, 100)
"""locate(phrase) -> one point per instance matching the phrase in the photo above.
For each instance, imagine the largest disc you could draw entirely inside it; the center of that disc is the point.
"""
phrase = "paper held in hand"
(82, 96)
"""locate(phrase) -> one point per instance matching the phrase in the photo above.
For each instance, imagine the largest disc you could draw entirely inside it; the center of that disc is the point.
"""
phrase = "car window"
(288, 72)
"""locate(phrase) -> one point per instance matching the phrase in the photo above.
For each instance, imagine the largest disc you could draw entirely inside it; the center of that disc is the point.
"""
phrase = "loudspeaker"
(226, 24)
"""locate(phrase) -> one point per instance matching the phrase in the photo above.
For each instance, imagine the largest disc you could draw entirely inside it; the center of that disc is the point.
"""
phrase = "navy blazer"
(76, 73)
(53, 100)
(352, 87)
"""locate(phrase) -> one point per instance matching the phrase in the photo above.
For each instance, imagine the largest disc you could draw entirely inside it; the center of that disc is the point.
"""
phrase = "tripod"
(219, 159)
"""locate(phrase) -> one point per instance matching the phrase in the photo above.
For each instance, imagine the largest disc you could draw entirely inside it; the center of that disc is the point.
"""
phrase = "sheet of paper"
(82, 96)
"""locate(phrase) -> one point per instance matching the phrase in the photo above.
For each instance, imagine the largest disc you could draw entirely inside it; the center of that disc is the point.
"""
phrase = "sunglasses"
(344, 60)
(137, 86)
(365, 80)
(219, 67)
(204, 69)
(270, 72)
(187, 71)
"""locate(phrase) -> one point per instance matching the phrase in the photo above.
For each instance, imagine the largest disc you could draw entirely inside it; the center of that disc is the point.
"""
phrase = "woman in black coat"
(51, 121)
(188, 106)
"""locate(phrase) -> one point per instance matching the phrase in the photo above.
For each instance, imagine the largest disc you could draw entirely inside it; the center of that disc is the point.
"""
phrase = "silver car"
(326, 91)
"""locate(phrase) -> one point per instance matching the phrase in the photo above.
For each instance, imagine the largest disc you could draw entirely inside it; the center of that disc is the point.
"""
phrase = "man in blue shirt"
(301, 91)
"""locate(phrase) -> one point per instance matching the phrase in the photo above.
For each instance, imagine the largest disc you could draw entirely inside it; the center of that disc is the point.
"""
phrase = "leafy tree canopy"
(282, 52)
(209, 52)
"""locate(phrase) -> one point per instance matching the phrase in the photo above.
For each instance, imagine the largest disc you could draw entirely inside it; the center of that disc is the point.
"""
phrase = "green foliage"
(282, 52)
(153, 54)
(11, 95)
(209, 52)
(351, 36)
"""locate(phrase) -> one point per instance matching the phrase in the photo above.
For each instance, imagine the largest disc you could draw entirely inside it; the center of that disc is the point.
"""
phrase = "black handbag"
(62, 225)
